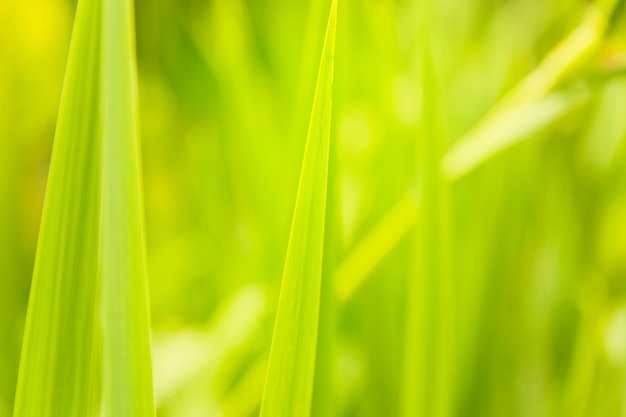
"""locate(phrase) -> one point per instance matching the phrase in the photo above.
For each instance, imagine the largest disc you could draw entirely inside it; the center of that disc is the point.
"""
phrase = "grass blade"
(510, 127)
(125, 322)
(87, 331)
(324, 402)
(374, 248)
(430, 357)
(289, 382)
(57, 374)
(529, 107)
(567, 56)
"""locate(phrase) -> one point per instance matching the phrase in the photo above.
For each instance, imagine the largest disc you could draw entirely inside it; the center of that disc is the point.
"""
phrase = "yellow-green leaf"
(289, 381)
(58, 368)
(430, 357)
(86, 343)
(125, 320)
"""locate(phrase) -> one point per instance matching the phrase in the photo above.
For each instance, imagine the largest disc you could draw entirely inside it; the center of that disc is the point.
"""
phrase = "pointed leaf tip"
(291, 367)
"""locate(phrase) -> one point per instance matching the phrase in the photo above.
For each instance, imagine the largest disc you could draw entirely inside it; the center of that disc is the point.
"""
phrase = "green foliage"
(290, 373)
(430, 356)
(87, 328)
(456, 234)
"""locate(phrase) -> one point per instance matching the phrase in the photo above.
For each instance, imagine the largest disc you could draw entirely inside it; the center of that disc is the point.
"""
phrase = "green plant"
(456, 225)
(289, 383)
(86, 345)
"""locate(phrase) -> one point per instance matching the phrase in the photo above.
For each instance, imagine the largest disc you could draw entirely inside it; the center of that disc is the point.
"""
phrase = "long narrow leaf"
(86, 344)
(289, 382)
(510, 127)
(430, 358)
(125, 322)
(530, 107)
(374, 248)
(58, 375)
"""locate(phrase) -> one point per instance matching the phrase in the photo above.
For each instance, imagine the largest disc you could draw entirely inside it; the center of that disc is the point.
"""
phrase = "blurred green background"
(226, 86)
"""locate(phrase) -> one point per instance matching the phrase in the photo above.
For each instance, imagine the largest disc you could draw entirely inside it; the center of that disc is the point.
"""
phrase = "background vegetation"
(490, 284)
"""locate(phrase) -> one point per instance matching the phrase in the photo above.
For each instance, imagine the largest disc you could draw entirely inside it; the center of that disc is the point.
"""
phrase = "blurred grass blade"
(578, 388)
(58, 376)
(289, 382)
(475, 148)
(529, 107)
(526, 110)
(374, 248)
(125, 321)
(511, 126)
(564, 58)
(87, 326)
(430, 356)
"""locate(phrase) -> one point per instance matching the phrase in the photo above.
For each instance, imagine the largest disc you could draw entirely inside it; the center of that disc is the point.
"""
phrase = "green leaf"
(87, 330)
(530, 106)
(511, 126)
(58, 373)
(430, 357)
(565, 58)
(291, 367)
(125, 321)
(379, 242)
